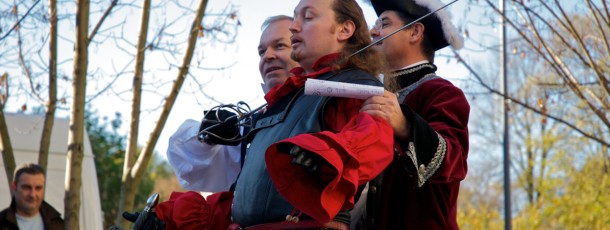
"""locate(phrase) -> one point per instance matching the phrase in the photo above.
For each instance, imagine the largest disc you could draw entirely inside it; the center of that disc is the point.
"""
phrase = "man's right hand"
(219, 127)
(150, 223)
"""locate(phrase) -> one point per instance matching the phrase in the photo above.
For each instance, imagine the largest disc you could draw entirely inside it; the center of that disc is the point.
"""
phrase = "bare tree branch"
(51, 104)
(525, 105)
(154, 136)
(573, 82)
(26, 69)
(19, 21)
(558, 65)
(583, 48)
(99, 24)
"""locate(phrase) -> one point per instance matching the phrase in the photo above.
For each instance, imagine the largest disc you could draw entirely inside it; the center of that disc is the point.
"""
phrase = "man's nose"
(269, 55)
(294, 27)
(374, 32)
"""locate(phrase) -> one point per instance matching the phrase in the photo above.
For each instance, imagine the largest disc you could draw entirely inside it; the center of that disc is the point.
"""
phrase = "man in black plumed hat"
(429, 115)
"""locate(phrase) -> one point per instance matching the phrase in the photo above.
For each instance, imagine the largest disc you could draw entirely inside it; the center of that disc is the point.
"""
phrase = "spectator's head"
(28, 188)
(322, 27)
(274, 50)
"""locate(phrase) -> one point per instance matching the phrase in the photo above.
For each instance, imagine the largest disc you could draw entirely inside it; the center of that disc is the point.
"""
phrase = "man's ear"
(346, 30)
(13, 186)
(416, 32)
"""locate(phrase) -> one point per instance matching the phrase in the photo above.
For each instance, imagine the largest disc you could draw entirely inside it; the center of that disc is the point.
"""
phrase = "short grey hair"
(273, 19)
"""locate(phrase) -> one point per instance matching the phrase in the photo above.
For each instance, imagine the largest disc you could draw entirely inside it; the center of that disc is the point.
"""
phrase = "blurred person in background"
(28, 210)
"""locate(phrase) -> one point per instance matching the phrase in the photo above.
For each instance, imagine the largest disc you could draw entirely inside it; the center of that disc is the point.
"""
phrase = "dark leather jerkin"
(256, 199)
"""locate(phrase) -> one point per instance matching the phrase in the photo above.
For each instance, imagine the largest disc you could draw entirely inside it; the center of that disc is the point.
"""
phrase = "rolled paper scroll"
(341, 89)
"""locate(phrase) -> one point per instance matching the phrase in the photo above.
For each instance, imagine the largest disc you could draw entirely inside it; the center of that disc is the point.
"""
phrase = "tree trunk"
(132, 177)
(7, 148)
(47, 130)
(77, 119)
(132, 139)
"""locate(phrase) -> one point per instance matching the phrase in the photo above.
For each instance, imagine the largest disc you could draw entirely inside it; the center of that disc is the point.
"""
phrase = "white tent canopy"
(25, 132)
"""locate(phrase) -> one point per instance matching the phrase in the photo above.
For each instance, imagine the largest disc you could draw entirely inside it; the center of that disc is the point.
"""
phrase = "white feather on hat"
(449, 31)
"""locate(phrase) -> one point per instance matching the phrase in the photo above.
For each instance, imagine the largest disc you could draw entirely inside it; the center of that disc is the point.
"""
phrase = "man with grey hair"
(28, 210)
(212, 165)
(274, 50)
(209, 163)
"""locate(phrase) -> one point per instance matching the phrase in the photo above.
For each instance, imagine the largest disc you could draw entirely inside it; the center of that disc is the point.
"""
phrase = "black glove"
(132, 217)
(150, 223)
(302, 157)
(313, 163)
(215, 124)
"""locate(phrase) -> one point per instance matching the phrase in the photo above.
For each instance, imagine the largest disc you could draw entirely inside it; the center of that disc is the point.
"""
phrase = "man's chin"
(273, 82)
(295, 55)
(30, 209)
(378, 48)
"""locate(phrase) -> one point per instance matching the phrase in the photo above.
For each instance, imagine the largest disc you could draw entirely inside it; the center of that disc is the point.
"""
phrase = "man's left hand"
(388, 108)
(313, 163)
(305, 158)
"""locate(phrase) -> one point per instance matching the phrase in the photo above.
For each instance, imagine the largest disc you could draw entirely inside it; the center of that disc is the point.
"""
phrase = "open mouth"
(295, 41)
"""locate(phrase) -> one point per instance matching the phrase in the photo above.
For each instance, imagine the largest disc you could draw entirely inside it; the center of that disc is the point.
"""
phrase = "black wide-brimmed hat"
(438, 27)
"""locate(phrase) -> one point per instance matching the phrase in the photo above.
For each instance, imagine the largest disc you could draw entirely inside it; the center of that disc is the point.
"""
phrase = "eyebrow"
(278, 40)
(272, 42)
(382, 19)
(302, 10)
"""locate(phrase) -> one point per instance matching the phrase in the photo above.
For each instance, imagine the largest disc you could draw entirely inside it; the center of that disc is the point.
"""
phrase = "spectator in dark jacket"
(28, 210)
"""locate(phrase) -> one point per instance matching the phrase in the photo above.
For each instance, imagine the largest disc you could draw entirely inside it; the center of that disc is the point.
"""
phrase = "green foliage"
(108, 146)
(573, 195)
(557, 77)
(580, 201)
(478, 214)
(480, 200)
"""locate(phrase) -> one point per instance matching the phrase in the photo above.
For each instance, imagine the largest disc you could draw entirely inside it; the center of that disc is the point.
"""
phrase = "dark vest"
(256, 199)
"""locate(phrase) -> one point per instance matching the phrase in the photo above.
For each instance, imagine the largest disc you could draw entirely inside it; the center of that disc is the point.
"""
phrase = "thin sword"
(401, 28)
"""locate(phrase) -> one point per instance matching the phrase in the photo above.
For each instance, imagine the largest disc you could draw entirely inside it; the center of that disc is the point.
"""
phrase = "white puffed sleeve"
(200, 166)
